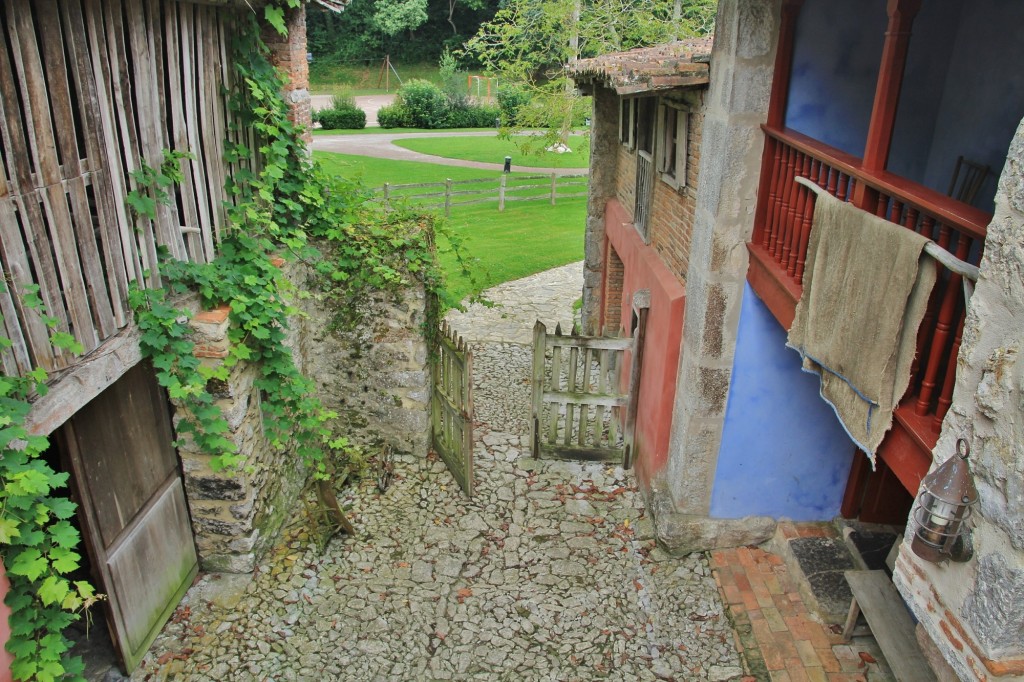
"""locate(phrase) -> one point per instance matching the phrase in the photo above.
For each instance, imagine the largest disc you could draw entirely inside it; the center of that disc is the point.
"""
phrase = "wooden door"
(132, 508)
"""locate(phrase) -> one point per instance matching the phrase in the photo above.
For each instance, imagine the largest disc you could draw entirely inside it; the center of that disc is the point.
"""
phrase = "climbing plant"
(281, 205)
(38, 542)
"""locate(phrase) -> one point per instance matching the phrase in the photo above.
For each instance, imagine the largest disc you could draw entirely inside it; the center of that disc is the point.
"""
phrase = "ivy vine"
(39, 542)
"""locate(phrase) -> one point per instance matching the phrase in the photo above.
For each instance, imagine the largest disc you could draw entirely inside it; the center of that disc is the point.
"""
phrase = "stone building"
(646, 142)
(856, 98)
(114, 83)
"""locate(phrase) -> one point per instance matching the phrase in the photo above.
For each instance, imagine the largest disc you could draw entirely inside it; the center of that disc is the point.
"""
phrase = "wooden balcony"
(778, 252)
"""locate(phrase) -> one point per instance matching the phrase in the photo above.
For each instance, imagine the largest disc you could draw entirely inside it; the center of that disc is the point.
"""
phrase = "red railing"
(779, 250)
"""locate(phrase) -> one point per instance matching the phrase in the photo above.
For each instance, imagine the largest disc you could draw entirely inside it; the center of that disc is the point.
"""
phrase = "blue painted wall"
(783, 452)
(963, 89)
(836, 53)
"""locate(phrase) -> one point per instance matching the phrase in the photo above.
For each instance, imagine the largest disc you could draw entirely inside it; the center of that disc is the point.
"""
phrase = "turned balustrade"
(779, 251)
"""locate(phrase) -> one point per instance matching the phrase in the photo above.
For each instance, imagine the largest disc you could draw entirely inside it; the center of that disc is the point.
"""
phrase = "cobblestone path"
(549, 573)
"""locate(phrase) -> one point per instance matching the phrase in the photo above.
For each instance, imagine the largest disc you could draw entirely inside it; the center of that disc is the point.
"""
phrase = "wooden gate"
(134, 517)
(578, 411)
(451, 406)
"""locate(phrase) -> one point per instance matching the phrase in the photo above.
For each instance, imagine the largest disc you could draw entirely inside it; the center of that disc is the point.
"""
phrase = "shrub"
(425, 102)
(453, 81)
(511, 98)
(473, 116)
(341, 119)
(393, 116)
(344, 100)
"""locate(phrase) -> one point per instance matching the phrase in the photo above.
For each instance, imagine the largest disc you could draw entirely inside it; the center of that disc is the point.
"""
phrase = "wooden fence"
(578, 410)
(501, 190)
(89, 91)
(451, 406)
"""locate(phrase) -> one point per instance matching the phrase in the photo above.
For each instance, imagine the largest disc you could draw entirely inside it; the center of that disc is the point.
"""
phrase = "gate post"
(539, 342)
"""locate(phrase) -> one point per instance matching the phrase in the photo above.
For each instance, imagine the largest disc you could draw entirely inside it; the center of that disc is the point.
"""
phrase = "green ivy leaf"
(29, 563)
(53, 590)
(275, 17)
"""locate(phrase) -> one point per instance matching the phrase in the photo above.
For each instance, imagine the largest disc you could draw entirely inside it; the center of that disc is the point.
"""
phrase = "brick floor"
(778, 637)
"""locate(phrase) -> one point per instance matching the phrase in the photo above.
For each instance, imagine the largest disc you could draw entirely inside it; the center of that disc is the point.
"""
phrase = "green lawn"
(495, 149)
(326, 78)
(528, 237)
(375, 130)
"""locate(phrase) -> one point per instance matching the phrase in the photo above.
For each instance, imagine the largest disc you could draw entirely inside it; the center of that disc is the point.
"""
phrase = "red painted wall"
(644, 269)
(5, 627)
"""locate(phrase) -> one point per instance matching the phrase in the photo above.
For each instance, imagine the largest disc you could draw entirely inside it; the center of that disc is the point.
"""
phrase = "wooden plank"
(570, 408)
(108, 218)
(585, 454)
(96, 279)
(537, 381)
(584, 425)
(65, 244)
(215, 128)
(42, 145)
(598, 342)
(575, 398)
(555, 382)
(203, 189)
(19, 274)
(633, 397)
(891, 624)
(58, 86)
(45, 270)
(123, 144)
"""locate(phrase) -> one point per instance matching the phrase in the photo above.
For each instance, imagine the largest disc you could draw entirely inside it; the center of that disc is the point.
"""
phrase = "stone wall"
(736, 104)
(375, 375)
(236, 514)
(604, 136)
(972, 611)
(288, 53)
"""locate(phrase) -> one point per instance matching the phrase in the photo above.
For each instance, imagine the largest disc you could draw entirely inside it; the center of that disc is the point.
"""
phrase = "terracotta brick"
(846, 677)
(780, 676)
(775, 620)
(807, 653)
(829, 662)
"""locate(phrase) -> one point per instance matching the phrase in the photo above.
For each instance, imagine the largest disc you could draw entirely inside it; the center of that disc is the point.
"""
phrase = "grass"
(375, 130)
(326, 78)
(526, 238)
(495, 149)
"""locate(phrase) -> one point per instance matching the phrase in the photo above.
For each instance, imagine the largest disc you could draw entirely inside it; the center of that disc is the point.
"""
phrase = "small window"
(645, 124)
(627, 127)
(673, 129)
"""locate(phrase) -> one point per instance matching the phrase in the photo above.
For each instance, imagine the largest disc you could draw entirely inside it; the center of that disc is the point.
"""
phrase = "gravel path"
(550, 573)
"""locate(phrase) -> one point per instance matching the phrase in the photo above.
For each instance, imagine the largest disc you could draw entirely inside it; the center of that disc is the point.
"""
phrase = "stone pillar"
(235, 514)
(972, 611)
(737, 104)
(604, 140)
(288, 53)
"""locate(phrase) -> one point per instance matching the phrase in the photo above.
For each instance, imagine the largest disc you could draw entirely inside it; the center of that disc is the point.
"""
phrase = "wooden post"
(539, 342)
(447, 197)
(553, 189)
(635, 373)
(387, 196)
(887, 95)
(501, 193)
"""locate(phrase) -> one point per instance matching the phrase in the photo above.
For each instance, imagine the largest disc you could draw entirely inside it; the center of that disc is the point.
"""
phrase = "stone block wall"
(375, 376)
(288, 53)
(742, 65)
(972, 611)
(235, 514)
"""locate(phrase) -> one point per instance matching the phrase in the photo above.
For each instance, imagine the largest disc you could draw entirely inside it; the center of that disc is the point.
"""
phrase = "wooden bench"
(890, 623)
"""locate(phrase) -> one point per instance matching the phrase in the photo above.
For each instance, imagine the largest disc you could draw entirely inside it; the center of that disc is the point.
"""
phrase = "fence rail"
(501, 190)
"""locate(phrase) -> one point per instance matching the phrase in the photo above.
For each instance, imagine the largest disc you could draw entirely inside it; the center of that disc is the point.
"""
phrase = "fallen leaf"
(866, 657)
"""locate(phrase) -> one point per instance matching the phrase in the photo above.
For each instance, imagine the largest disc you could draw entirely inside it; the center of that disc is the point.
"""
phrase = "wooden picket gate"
(451, 406)
(578, 411)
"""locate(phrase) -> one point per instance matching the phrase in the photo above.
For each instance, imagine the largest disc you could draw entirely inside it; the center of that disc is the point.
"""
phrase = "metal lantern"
(942, 509)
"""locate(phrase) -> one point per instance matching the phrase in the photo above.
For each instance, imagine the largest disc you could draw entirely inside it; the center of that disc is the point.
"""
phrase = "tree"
(394, 16)
(530, 42)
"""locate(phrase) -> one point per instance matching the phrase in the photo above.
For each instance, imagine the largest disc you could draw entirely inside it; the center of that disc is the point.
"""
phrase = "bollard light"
(508, 165)
(942, 509)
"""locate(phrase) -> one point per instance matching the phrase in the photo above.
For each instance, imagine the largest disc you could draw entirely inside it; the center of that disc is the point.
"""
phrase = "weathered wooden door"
(578, 410)
(132, 507)
(451, 406)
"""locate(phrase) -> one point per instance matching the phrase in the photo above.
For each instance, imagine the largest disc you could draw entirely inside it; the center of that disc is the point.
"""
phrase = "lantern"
(942, 509)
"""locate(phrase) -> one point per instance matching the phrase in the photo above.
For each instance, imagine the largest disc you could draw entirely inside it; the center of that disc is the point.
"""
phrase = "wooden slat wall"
(90, 90)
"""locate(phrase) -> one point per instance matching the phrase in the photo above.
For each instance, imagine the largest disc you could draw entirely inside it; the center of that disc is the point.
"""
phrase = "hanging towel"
(866, 287)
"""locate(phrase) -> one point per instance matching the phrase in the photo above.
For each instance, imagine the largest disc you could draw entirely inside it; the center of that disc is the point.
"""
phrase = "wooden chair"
(967, 179)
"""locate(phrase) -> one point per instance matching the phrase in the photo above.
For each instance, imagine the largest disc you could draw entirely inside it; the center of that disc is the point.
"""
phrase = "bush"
(473, 116)
(393, 116)
(511, 98)
(344, 100)
(341, 119)
(425, 102)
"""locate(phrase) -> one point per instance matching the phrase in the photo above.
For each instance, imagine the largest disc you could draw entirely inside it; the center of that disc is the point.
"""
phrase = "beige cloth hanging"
(865, 290)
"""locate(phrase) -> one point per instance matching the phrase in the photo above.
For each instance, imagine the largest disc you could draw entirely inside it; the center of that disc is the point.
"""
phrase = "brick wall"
(673, 215)
(625, 177)
(288, 53)
(614, 271)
